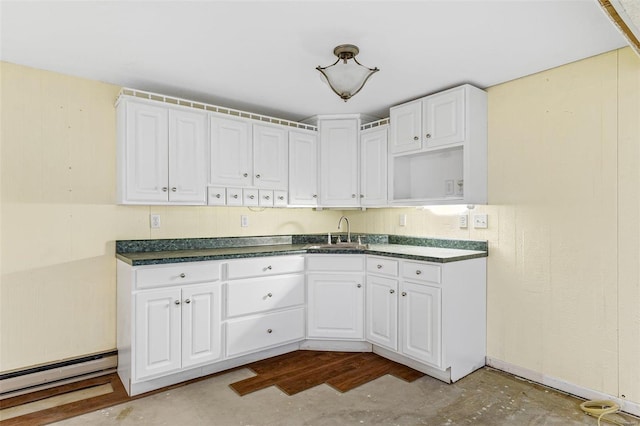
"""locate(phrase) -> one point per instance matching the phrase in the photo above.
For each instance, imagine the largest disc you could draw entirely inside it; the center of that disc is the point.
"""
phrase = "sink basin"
(338, 246)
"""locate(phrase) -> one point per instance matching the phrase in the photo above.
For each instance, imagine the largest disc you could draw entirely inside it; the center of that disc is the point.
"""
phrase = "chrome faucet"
(348, 228)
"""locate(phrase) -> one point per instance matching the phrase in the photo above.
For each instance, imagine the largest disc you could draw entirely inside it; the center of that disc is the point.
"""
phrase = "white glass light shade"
(346, 76)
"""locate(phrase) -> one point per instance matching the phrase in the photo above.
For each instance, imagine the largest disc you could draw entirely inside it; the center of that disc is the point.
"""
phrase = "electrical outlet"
(463, 220)
(403, 220)
(480, 221)
(244, 221)
(154, 221)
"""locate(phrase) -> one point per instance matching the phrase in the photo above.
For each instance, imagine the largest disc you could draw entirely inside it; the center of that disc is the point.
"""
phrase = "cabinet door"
(230, 152)
(187, 161)
(270, 157)
(303, 169)
(201, 329)
(373, 168)
(443, 120)
(339, 162)
(382, 312)
(335, 304)
(146, 174)
(406, 128)
(157, 332)
(420, 327)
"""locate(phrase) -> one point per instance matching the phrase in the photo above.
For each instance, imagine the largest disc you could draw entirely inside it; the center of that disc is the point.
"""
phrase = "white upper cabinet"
(270, 157)
(248, 155)
(443, 118)
(339, 171)
(161, 154)
(406, 127)
(303, 168)
(187, 156)
(447, 162)
(230, 151)
(373, 167)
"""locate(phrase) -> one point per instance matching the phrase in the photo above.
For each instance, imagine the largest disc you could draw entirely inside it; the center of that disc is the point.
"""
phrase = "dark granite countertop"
(152, 252)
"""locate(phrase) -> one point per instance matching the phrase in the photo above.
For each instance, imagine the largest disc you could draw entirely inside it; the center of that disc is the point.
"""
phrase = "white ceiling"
(261, 56)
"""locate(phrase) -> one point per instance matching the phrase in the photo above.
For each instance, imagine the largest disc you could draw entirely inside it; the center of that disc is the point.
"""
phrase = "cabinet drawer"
(261, 266)
(263, 331)
(217, 196)
(174, 274)
(264, 294)
(335, 263)
(418, 271)
(382, 266)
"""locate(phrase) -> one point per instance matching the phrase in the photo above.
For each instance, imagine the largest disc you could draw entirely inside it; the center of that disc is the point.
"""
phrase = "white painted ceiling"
(261, 56)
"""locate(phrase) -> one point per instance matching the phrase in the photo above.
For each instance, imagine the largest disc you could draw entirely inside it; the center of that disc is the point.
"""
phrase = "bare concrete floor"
(486, 397)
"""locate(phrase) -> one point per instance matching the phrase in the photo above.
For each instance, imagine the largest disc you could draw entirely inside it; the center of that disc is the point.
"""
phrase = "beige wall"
(564, 193)
(59, 221)
(564, 214)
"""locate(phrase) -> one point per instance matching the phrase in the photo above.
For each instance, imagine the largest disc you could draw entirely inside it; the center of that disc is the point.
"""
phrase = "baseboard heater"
(20, 382)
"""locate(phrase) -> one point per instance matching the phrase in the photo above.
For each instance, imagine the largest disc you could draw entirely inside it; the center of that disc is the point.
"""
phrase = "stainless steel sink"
(337, 246)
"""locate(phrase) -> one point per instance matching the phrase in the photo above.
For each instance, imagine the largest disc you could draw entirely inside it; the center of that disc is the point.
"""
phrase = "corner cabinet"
(161, 153)
(339, 171)
(438, 149)
(335, 297)
(373, 167)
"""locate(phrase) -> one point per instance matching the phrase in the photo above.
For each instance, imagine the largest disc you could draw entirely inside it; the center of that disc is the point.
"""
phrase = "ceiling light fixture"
(346, 79)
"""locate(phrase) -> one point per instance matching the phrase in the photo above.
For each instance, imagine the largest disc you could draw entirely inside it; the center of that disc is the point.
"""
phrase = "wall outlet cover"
(244, 221)
(480, 221)
(154, 221)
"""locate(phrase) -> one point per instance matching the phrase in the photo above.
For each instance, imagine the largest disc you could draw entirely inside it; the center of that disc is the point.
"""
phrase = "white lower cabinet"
(335, 299)
(427, 314)
(420, 323)
(264, 303)
(169, 319)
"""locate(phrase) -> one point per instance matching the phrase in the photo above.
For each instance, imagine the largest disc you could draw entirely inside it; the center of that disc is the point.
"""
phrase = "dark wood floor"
(292, 373)
(297, 371)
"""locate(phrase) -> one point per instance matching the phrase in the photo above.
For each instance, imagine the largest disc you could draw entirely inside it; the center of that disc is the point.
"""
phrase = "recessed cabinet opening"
(429, 175)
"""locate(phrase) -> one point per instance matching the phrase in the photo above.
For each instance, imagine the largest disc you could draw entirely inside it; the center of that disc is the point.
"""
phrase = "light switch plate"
(244, 221)
(403, 220)
(480, 221)
(463, 220)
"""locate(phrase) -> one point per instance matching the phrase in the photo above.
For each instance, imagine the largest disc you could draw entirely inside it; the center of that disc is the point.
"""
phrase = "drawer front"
(335, 263)
(264, 294)
(280, 198)
(382, 266)
(261, 266)
(264, 331)
(217, 196)
(251, 197)
(266, 197)
(177, 274)
(234, 196)
(418, 271)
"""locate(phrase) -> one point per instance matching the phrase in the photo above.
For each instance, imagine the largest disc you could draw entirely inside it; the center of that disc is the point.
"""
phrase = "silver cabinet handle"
(266, 197)
(174, 189)
(315, 195)
(235, 195)
(361, 195)
(257, 176)
(269, 331)
(281, 197)
(404, 293)
(379, 266)
(252, 196)
(187, 301)
(418, 272)
(165, 189)
(217, 195)
(269, 267)
(392, 291)
(353, 195)
(359, 285)
(415, 138)
(245, 174)
(428, 135)
(182, 275)
(177, 302)
(269, 295)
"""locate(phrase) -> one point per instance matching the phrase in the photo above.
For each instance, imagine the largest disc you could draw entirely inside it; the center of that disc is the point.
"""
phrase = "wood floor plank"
(353, 378)
(405, 373)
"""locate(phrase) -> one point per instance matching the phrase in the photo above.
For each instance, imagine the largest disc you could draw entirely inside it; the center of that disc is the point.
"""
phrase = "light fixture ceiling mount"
(346, 79)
